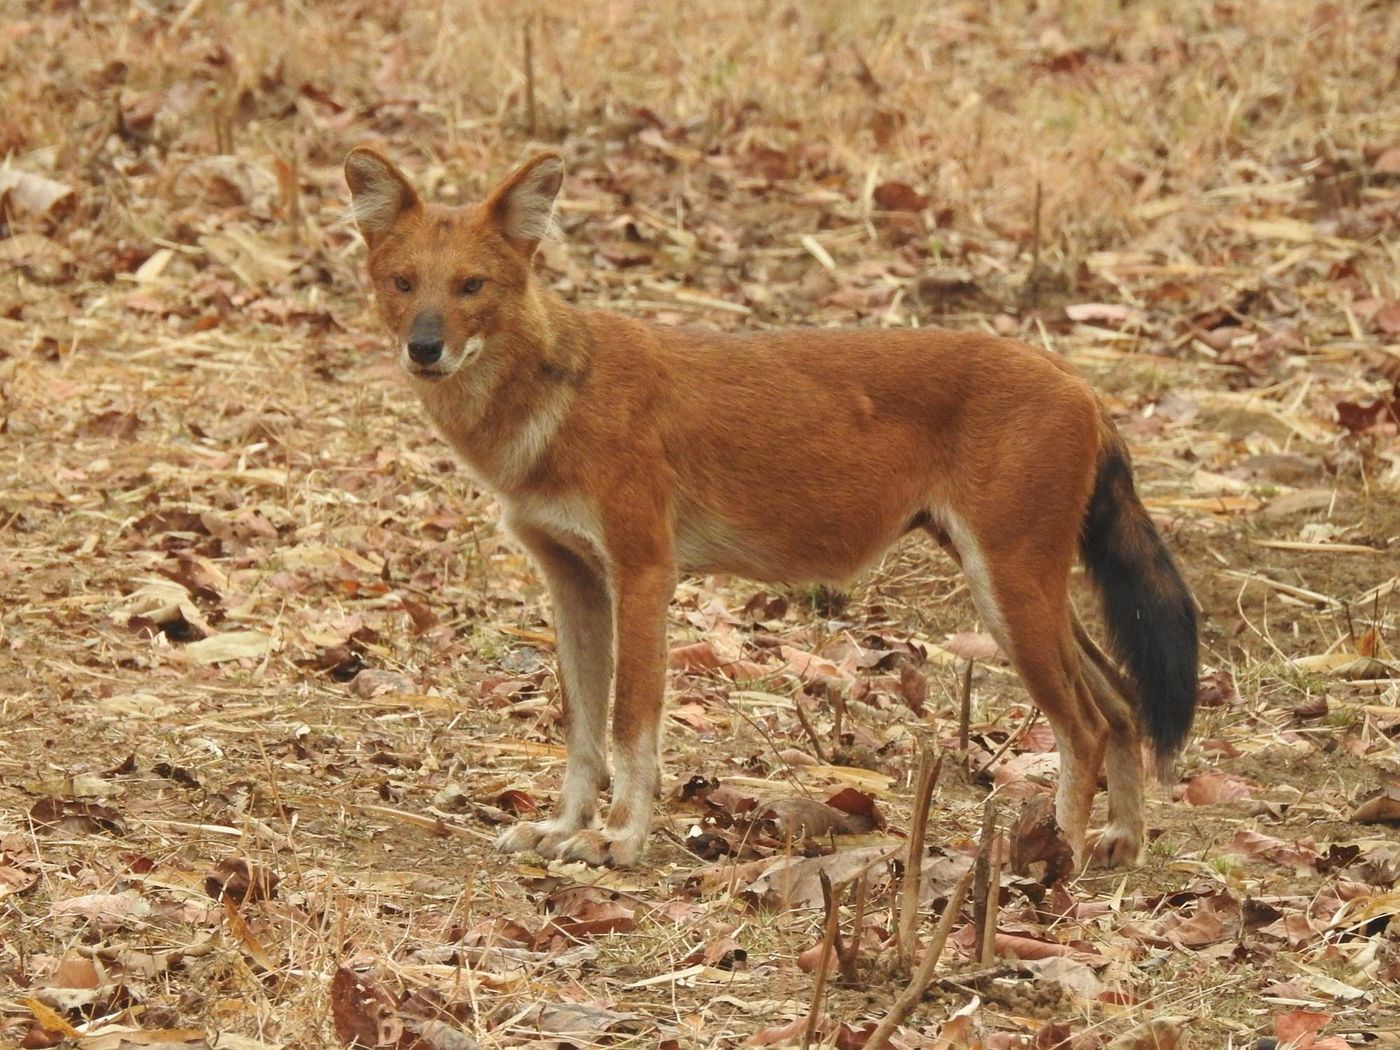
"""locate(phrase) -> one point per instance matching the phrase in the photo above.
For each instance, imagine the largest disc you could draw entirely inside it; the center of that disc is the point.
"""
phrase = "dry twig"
(987, 871)
(923, 977)
(965, 710)
(828, 950)
(907, 919)
(806, 722)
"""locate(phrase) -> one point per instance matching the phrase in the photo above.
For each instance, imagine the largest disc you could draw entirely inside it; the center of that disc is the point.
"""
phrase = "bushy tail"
(1150, 614)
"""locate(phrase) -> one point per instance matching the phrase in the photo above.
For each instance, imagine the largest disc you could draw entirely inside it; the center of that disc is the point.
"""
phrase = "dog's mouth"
(446, 365)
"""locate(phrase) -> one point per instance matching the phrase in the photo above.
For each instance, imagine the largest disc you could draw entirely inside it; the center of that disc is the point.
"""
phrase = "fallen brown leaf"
(241, 882)
(899, 196)
(1300, 1027)
(364, 1014)
(1212, 788)
(1038, 849)
(787, 818)
(1381, 809)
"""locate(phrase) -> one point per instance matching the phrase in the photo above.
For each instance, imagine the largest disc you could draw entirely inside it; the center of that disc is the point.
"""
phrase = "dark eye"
(402, 283)
(472, 285)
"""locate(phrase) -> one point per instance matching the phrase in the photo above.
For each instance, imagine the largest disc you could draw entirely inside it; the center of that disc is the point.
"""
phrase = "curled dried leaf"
(34, 194)
(1215, 787)
(76, 817)
(364, 1013)
(786, 818)
(237, 880)
(1038, 849)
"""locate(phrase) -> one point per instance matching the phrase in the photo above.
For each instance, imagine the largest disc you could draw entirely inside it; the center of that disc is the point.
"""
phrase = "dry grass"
(192, 392)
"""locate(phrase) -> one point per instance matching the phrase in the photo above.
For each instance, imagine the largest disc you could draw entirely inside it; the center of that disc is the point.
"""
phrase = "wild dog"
(624, 453)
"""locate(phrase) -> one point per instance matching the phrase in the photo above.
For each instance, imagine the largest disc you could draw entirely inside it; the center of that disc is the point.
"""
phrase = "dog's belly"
(784, 551)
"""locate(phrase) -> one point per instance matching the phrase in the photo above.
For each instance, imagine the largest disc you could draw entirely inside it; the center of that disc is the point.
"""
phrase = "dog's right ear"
(380, 194)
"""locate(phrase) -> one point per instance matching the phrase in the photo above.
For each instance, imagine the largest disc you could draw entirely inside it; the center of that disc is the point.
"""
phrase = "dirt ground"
(272, 680)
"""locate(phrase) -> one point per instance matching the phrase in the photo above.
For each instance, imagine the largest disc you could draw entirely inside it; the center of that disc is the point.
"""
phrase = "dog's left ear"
(380, 194)
(522, 207)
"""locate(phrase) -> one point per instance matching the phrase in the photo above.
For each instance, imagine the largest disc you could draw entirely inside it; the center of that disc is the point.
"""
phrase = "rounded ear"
(379, 192)
(523, 206)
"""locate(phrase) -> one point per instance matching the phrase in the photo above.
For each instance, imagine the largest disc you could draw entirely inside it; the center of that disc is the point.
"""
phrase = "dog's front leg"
(641, 597)
(583, 642)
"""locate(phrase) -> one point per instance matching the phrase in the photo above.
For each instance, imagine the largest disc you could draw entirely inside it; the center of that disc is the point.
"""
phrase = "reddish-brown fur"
(625, 452)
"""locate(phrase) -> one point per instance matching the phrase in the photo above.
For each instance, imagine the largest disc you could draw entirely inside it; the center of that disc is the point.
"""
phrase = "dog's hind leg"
(1022, 596)
(1120, 841)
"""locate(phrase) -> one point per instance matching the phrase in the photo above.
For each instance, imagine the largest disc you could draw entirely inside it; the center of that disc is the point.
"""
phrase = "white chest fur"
(567, 520)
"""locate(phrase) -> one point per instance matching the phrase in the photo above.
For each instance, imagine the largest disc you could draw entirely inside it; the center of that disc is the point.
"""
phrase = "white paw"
(602, 849)
(1116, 846)
(542, 836)
(522, 836)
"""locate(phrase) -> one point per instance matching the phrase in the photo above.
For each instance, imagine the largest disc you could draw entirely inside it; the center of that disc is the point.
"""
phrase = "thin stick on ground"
(810, 730)
(918, 984)
(846, 953)
(833, 916)
(982, 870)
(991, 905)
(965, 712)
(847, 957)
(907, 920)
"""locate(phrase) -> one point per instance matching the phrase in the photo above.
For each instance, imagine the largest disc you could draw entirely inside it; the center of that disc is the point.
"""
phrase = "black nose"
(425, 338)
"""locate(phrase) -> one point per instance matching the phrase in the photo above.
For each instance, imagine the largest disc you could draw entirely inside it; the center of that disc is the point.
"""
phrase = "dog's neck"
(501, 411)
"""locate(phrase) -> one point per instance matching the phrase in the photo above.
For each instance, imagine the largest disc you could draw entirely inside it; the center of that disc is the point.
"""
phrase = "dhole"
(624, 453)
